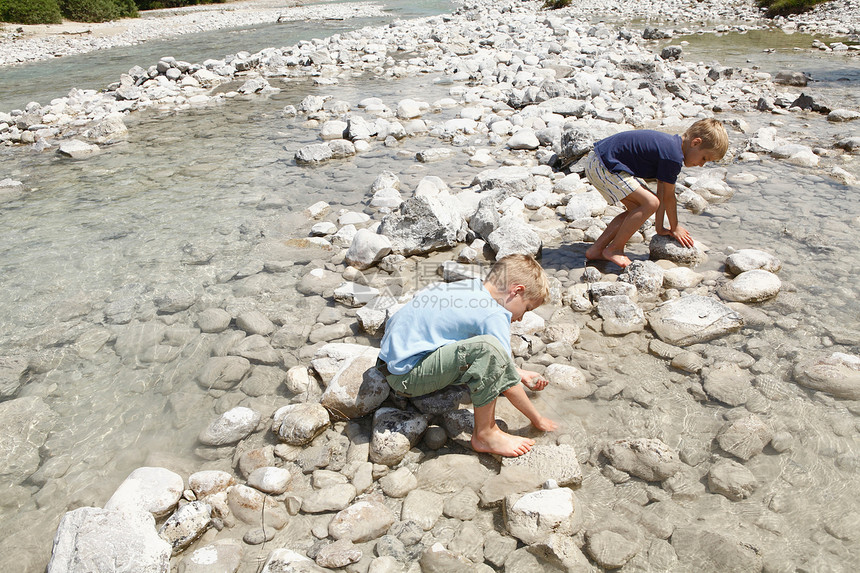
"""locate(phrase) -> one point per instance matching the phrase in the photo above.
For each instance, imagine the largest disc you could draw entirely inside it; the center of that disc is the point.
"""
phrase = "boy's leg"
(517, 396)
(595, 251)
(640, 205)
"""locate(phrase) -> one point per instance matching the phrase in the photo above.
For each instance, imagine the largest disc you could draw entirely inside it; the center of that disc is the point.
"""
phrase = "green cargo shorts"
(480, 362)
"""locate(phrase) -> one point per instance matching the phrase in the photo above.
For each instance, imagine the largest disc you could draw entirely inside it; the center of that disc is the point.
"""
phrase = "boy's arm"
(669, 207)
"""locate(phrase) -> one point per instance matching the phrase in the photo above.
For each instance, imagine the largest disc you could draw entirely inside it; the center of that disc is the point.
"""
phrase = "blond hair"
(712, 133)
(520, 270)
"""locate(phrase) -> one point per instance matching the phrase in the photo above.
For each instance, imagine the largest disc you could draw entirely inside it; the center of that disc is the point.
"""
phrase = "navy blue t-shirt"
(643, 153)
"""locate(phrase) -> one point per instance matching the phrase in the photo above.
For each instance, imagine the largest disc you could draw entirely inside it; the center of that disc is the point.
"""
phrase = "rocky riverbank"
(31, 43)
(311, 464)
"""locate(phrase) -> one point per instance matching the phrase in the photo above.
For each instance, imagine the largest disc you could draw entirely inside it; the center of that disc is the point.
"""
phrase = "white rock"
(152, 489)
(120, 540)
(534, 516)
(230, 427)
(751, 286)
(367, 248)
(271, 480)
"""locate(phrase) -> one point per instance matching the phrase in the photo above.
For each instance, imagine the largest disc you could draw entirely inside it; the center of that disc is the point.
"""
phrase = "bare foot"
(619, 258)
(545, 424)
(495, 441)
(592, 253)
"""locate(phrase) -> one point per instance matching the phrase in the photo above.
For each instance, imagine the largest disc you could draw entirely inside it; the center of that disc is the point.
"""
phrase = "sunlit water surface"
(193, 198)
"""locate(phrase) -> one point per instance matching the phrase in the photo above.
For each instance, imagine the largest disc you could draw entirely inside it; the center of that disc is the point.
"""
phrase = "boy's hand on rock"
(680, 234)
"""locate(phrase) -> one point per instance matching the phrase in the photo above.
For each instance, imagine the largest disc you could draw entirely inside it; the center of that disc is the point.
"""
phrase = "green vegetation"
(30, 11)
(786, 7)
(157, 4)
(53, 11)
(97, 10)
(555, 4)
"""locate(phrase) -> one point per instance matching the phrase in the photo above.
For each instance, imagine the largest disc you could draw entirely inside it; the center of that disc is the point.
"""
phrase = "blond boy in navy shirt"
(619, 162)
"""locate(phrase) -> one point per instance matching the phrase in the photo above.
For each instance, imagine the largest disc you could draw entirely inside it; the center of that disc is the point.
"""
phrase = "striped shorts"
(612, 186)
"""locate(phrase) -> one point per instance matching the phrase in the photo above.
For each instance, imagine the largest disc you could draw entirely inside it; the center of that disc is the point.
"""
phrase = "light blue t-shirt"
(440, 314)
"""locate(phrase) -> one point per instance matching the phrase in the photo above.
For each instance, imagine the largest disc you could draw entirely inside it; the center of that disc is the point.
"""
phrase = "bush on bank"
(30, 11)
(53, 11)
(786, 7)
(158, 4)
(97, 10)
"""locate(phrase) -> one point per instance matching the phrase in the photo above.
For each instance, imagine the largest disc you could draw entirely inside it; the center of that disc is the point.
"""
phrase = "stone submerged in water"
(646, 458)
(837, 375)
(122, 540)
(692, 319)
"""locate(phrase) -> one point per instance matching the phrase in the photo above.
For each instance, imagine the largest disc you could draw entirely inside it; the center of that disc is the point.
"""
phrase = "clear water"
(118, 230)
(44, 81)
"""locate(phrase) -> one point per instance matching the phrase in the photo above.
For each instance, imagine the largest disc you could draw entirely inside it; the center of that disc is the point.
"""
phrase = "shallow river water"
(195, 201)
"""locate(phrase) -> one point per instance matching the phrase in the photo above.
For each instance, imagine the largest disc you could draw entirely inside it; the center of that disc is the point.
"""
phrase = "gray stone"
(449, 473)
(681, 278)
(398, 483)
(354, 294)
(362, 521)
(271, 480)
(441, 401)
(550, 462)
(728, 383)
(731, 479)
(332, 498)
(152, 489)
(745, 437)
(514, 237)
(620, 315)
(299, 424)
(569, 379)
(255, 322)
(585, 205)
(423, 507)
(93, 539)
(209, 482)
(77, 149)
(395, 432)
(313, 154)
(646, 458)
(701, 549)
(598, 290)
(512, 479)
(509, 180)
(752, 259)
(367, 248)
(646, 276)
(186, 524)
(288, 561)
(837, 374)
(463, 505)
(223, 372)
(213, 320)
(531, 517)
(256, 508)
(524, 139)
(223, 556)
(357, 389)
(692, 319)
(610, 549)
(338, 554)
(665, 247)
(424, 224)
(751, 286)
(230, 427)
(24, 424)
